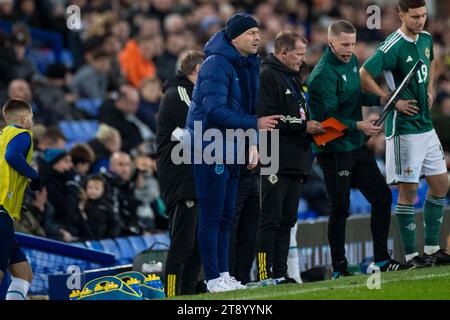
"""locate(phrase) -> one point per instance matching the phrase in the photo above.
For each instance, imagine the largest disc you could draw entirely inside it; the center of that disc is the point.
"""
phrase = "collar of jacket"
(180, 80)
(277, 64)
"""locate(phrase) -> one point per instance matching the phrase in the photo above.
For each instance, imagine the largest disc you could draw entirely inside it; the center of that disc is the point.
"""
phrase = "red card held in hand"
(334, 130)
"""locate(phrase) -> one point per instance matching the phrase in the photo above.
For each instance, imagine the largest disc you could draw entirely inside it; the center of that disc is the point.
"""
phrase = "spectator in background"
(52, 138)
(106, 142)
(28, 223)
(25, 11)
(53, 96)
(111, 44)
(82, 158)
(6, 10)
(91, 80)
(102, 221)
(136, 59)
(62, 192)
(22, 67)
(147, 194)
(121, 114)
(150, 96)
(19, 88)
(174, 23)
(120, 192)
(43, 211)
(166, 64)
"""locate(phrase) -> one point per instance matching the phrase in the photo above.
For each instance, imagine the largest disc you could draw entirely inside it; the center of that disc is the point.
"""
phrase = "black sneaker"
(393, 265)
(339, 274)
(439, 258)
(287, 280)
(420, 262)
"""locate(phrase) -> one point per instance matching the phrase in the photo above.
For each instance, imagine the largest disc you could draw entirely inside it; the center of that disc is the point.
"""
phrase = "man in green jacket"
(335, 91)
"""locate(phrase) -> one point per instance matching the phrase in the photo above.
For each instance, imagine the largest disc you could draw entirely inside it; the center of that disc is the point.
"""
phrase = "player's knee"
(407, 196)
(440, 189)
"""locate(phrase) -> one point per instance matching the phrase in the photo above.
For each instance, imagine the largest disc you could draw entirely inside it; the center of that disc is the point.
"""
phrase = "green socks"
(433, 216)
(406, 221)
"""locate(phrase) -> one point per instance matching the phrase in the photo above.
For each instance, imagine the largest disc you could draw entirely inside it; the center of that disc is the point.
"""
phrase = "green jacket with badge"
(334, 89)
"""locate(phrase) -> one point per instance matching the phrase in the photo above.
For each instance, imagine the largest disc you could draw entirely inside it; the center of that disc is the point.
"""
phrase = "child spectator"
(97, 212)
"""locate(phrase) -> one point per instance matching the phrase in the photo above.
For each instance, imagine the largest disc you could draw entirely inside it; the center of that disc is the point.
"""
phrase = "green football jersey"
(395, 57)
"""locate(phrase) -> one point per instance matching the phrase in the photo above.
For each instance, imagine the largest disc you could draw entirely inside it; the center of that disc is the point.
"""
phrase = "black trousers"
(280, 197)
(183, 259)
(342, 171)
(243, 235)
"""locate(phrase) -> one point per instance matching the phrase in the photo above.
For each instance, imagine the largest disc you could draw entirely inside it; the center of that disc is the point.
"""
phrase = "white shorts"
(411, 156)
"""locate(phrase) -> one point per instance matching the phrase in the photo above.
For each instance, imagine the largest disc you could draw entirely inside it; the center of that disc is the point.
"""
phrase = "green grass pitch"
(428, 283)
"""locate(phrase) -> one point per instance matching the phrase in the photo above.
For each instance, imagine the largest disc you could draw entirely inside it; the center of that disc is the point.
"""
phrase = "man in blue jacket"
(224, 98)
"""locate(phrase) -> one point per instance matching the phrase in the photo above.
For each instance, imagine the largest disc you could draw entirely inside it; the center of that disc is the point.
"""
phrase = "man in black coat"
(177, 181)
(121, 114)
(281, 93)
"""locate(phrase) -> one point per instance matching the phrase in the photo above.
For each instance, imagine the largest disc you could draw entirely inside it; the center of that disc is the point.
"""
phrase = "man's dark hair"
(52, 135)
(14, 106)
(82, 153)
(405, 5)
(189, 59)
(287, 39)
(340, 26)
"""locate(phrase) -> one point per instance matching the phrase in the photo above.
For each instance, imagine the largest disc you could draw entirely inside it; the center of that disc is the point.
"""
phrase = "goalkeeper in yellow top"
(16, 149)
(412, 146)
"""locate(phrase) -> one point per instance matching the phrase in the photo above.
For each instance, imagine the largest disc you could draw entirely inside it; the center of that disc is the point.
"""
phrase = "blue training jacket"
(227, 88)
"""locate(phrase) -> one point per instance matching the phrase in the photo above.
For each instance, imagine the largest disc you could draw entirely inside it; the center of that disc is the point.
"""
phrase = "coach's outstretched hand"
(35, 184)
(268, 122)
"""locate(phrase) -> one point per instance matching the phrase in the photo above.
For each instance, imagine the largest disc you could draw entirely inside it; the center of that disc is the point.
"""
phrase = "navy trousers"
(216, 187)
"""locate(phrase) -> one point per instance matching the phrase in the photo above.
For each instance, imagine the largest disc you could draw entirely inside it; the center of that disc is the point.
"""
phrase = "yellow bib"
(12, 183)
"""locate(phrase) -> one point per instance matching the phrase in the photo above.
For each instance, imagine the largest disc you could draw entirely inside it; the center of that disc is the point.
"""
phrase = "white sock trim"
(412, 255)
(225, 274)
(431, 249)
(18, 289)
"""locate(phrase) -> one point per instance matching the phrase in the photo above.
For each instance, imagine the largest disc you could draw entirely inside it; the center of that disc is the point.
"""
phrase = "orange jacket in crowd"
(133, 64)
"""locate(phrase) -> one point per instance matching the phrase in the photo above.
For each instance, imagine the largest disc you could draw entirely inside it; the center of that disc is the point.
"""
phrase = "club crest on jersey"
(344, 77)
(220, 168)
(427, 52)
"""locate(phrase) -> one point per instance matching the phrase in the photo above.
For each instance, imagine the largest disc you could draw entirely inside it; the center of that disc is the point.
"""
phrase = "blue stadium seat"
(138, 244)
(162, 240)
(358, 203)
(149, 239)
(79, 131)
(79, 244)
(110, 246)
(126, 250)
(90, 106)
(94, 245)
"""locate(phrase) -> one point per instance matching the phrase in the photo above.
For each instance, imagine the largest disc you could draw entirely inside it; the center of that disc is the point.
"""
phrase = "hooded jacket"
(227, 88)
(281, 93)
(176, 181)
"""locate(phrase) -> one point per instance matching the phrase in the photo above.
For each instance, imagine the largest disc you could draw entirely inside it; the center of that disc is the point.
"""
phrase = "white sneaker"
(232, 282)
(218, 285)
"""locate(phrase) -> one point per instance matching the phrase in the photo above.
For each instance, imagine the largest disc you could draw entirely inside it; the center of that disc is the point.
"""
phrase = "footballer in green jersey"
(413, 149)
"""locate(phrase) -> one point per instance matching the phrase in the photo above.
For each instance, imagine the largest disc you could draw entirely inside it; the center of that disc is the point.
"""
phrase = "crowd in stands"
(107, 186)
